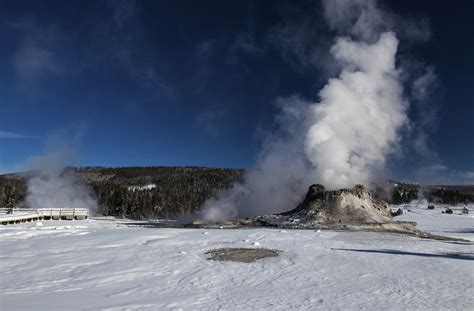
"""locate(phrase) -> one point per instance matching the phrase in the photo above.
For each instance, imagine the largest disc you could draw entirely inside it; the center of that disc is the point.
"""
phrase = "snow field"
(96, 264)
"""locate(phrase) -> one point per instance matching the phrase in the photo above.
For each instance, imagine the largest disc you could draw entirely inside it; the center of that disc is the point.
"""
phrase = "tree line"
(177, 191)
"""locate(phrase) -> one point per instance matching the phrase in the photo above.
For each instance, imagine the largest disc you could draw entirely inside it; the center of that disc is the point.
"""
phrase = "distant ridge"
(170, 192)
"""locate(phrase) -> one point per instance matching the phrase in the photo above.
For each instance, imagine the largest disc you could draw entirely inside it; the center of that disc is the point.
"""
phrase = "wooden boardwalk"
(21, 215)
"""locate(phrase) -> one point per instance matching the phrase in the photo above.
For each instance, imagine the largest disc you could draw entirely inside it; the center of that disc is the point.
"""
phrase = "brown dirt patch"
(241, 254)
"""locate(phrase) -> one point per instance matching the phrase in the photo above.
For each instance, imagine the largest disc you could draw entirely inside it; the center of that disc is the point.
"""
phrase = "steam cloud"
(356, 122)
(50, 185)
(342, 140)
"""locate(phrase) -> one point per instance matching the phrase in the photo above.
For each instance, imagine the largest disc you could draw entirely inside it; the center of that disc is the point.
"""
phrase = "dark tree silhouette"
(178, 191)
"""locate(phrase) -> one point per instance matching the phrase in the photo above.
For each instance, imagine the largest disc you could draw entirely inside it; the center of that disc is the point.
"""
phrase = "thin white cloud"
(439, 174)
(33, 62)
(210, 121)
(469, 175)
(244, 44)
(12, 135)
(38, 54)
(126, 36)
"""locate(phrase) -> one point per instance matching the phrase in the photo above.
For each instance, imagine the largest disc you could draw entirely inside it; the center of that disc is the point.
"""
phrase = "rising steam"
(342, 140)
(356, 123)
(50, 185)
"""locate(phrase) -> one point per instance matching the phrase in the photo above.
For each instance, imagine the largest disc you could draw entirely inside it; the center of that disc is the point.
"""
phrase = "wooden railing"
(16, 215)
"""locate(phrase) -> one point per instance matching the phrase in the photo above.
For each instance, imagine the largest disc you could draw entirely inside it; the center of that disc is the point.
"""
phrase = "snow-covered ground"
(100, 264)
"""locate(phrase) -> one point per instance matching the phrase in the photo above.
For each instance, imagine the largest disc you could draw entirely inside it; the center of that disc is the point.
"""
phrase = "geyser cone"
(346, 206)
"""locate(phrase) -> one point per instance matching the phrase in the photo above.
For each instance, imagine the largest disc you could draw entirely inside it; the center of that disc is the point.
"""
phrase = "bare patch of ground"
(246, 255)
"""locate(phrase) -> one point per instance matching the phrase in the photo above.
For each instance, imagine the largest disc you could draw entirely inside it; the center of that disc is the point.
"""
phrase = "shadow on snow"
(454, 255)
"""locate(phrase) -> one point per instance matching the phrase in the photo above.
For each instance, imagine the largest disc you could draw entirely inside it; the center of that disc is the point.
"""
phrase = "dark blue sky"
(195, 83)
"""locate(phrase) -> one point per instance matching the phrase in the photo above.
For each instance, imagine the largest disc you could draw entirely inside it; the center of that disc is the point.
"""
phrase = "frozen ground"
(99, 264)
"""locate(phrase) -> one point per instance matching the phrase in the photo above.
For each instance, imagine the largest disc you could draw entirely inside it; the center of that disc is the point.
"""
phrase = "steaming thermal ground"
(52, 185)
(342, 140)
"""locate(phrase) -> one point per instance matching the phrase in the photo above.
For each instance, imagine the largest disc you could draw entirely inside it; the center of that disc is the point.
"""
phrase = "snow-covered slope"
(101, 264)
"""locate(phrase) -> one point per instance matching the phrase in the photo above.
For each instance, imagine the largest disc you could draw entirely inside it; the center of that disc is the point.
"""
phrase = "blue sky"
(177, 83)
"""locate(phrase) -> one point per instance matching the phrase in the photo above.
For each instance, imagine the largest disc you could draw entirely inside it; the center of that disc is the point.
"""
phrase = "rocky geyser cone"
(347, 206)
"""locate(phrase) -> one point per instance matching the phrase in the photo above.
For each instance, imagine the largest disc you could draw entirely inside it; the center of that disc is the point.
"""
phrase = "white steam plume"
(356, 123)
(280, 175)
(50, 185)
(342, 140)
